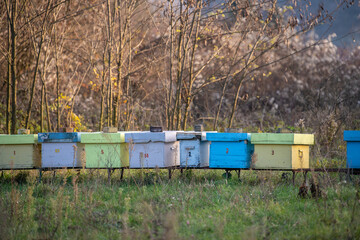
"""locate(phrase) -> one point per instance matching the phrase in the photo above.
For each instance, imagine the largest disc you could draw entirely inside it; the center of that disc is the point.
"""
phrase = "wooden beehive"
(352, 148)
(230, 150)
(194, 149)
(104, 150)
(60, 150)
(281, 150)
(153, 149)
(19, 152)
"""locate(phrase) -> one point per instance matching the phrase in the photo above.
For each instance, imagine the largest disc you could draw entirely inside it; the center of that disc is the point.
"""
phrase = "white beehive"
(153, 149)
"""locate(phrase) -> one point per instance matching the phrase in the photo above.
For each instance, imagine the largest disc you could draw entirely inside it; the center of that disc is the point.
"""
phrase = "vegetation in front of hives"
(198, 204)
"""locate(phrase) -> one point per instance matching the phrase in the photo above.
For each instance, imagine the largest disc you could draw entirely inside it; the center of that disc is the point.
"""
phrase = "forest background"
(258, 65)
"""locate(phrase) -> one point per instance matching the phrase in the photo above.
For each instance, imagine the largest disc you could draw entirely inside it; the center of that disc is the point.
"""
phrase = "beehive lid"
(282, 138)
(146, 137)
(101, 137)
(192, 135)
(352, 136)
(227, 137)
(59, 137)
(18, 139)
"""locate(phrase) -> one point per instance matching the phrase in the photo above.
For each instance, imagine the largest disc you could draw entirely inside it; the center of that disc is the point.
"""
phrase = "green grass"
(200, 204)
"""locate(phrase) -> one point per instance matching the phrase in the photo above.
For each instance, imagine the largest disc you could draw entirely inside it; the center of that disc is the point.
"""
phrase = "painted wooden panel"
(154, 154)
(60, 155)
(190, 153)
(282, 138)
(19, 156)
(145, 137)
(279, 156)
(102, 137)
(300, 156)
(272, 157)
(59, 137)
(352, 136)
(18, 139)
(353, 154)
(230, 154)
(103, 155)
(227, 137)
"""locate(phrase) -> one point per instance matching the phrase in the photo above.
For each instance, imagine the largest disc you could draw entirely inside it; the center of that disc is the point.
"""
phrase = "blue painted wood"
(60, 155)
(352, 136)
(227, 137)
(59, 137)
(228, 151)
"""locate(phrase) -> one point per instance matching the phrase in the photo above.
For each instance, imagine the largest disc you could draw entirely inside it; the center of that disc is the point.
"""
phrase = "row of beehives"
(164, 149)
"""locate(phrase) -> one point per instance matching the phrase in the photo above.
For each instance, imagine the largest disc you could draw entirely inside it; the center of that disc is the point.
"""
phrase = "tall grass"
(198, 204)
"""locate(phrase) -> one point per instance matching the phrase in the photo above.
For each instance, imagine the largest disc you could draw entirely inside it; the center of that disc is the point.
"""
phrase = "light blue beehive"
(230, 150)
(153, 149)
(352, 148)
(194, 149)
(60, 150)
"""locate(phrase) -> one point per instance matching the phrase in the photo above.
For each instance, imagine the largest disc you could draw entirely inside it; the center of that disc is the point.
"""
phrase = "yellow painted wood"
(280, 156)
(16, 156)
(300, 156)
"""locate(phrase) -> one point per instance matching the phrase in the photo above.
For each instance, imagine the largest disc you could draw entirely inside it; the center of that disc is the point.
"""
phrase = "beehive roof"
(227, 137)
(100, 137)
(59, 137)
(18, 139)
(352, 136)
(282, 138)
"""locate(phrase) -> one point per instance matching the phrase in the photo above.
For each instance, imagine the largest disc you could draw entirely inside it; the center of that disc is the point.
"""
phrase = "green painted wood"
(282, 138)
(103, 138)
(272, 157)
(18, 139)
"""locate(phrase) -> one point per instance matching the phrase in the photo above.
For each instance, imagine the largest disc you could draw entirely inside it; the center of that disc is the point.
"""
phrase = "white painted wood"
(59, 155)
(154, 155)
(146, 137)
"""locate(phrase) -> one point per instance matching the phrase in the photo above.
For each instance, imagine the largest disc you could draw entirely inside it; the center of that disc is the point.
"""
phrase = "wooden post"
(109, 175)
(238, 172)
(293, 178)
(40, 175)
(170, 173)
(122, 174)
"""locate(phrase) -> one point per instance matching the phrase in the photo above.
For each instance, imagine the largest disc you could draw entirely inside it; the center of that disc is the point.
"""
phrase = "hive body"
(352, 149)
(104, 150)
(194, 149)
(153, 149)
(281, 150)
(230, 150)
(60, 150)
(19, 151)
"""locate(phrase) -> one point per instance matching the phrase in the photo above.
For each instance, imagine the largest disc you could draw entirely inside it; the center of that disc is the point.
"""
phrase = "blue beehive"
(60, 150)
(353, 148)
(194, 149)
(230, 150)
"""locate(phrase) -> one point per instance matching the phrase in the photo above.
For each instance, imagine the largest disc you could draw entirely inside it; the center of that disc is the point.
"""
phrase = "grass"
(200, 204)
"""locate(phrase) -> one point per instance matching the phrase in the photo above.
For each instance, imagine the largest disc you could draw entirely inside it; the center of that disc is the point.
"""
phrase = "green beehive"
(104, 150)
(19, 151)
(281, 150)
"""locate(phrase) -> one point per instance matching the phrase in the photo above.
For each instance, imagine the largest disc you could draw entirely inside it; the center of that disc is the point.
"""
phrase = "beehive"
(19, 151)
(153, 149)
(104, 150)
(230, 150)
(352, 148)
(60, 150)
(281, 150)
(194, 149)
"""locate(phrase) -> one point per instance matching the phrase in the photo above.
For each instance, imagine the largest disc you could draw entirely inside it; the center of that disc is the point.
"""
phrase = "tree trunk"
(13, 66)
(8, 85)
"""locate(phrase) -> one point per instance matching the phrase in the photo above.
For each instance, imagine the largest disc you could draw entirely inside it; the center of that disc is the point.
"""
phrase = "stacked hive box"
(194, 149)
(153, 149)
(230, 150)
(281, 150)
(60, 150)
(104, 150)
(353, 149)
(19, 151)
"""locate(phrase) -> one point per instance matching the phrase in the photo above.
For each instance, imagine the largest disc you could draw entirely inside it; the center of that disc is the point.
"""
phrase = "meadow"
(198, 204)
